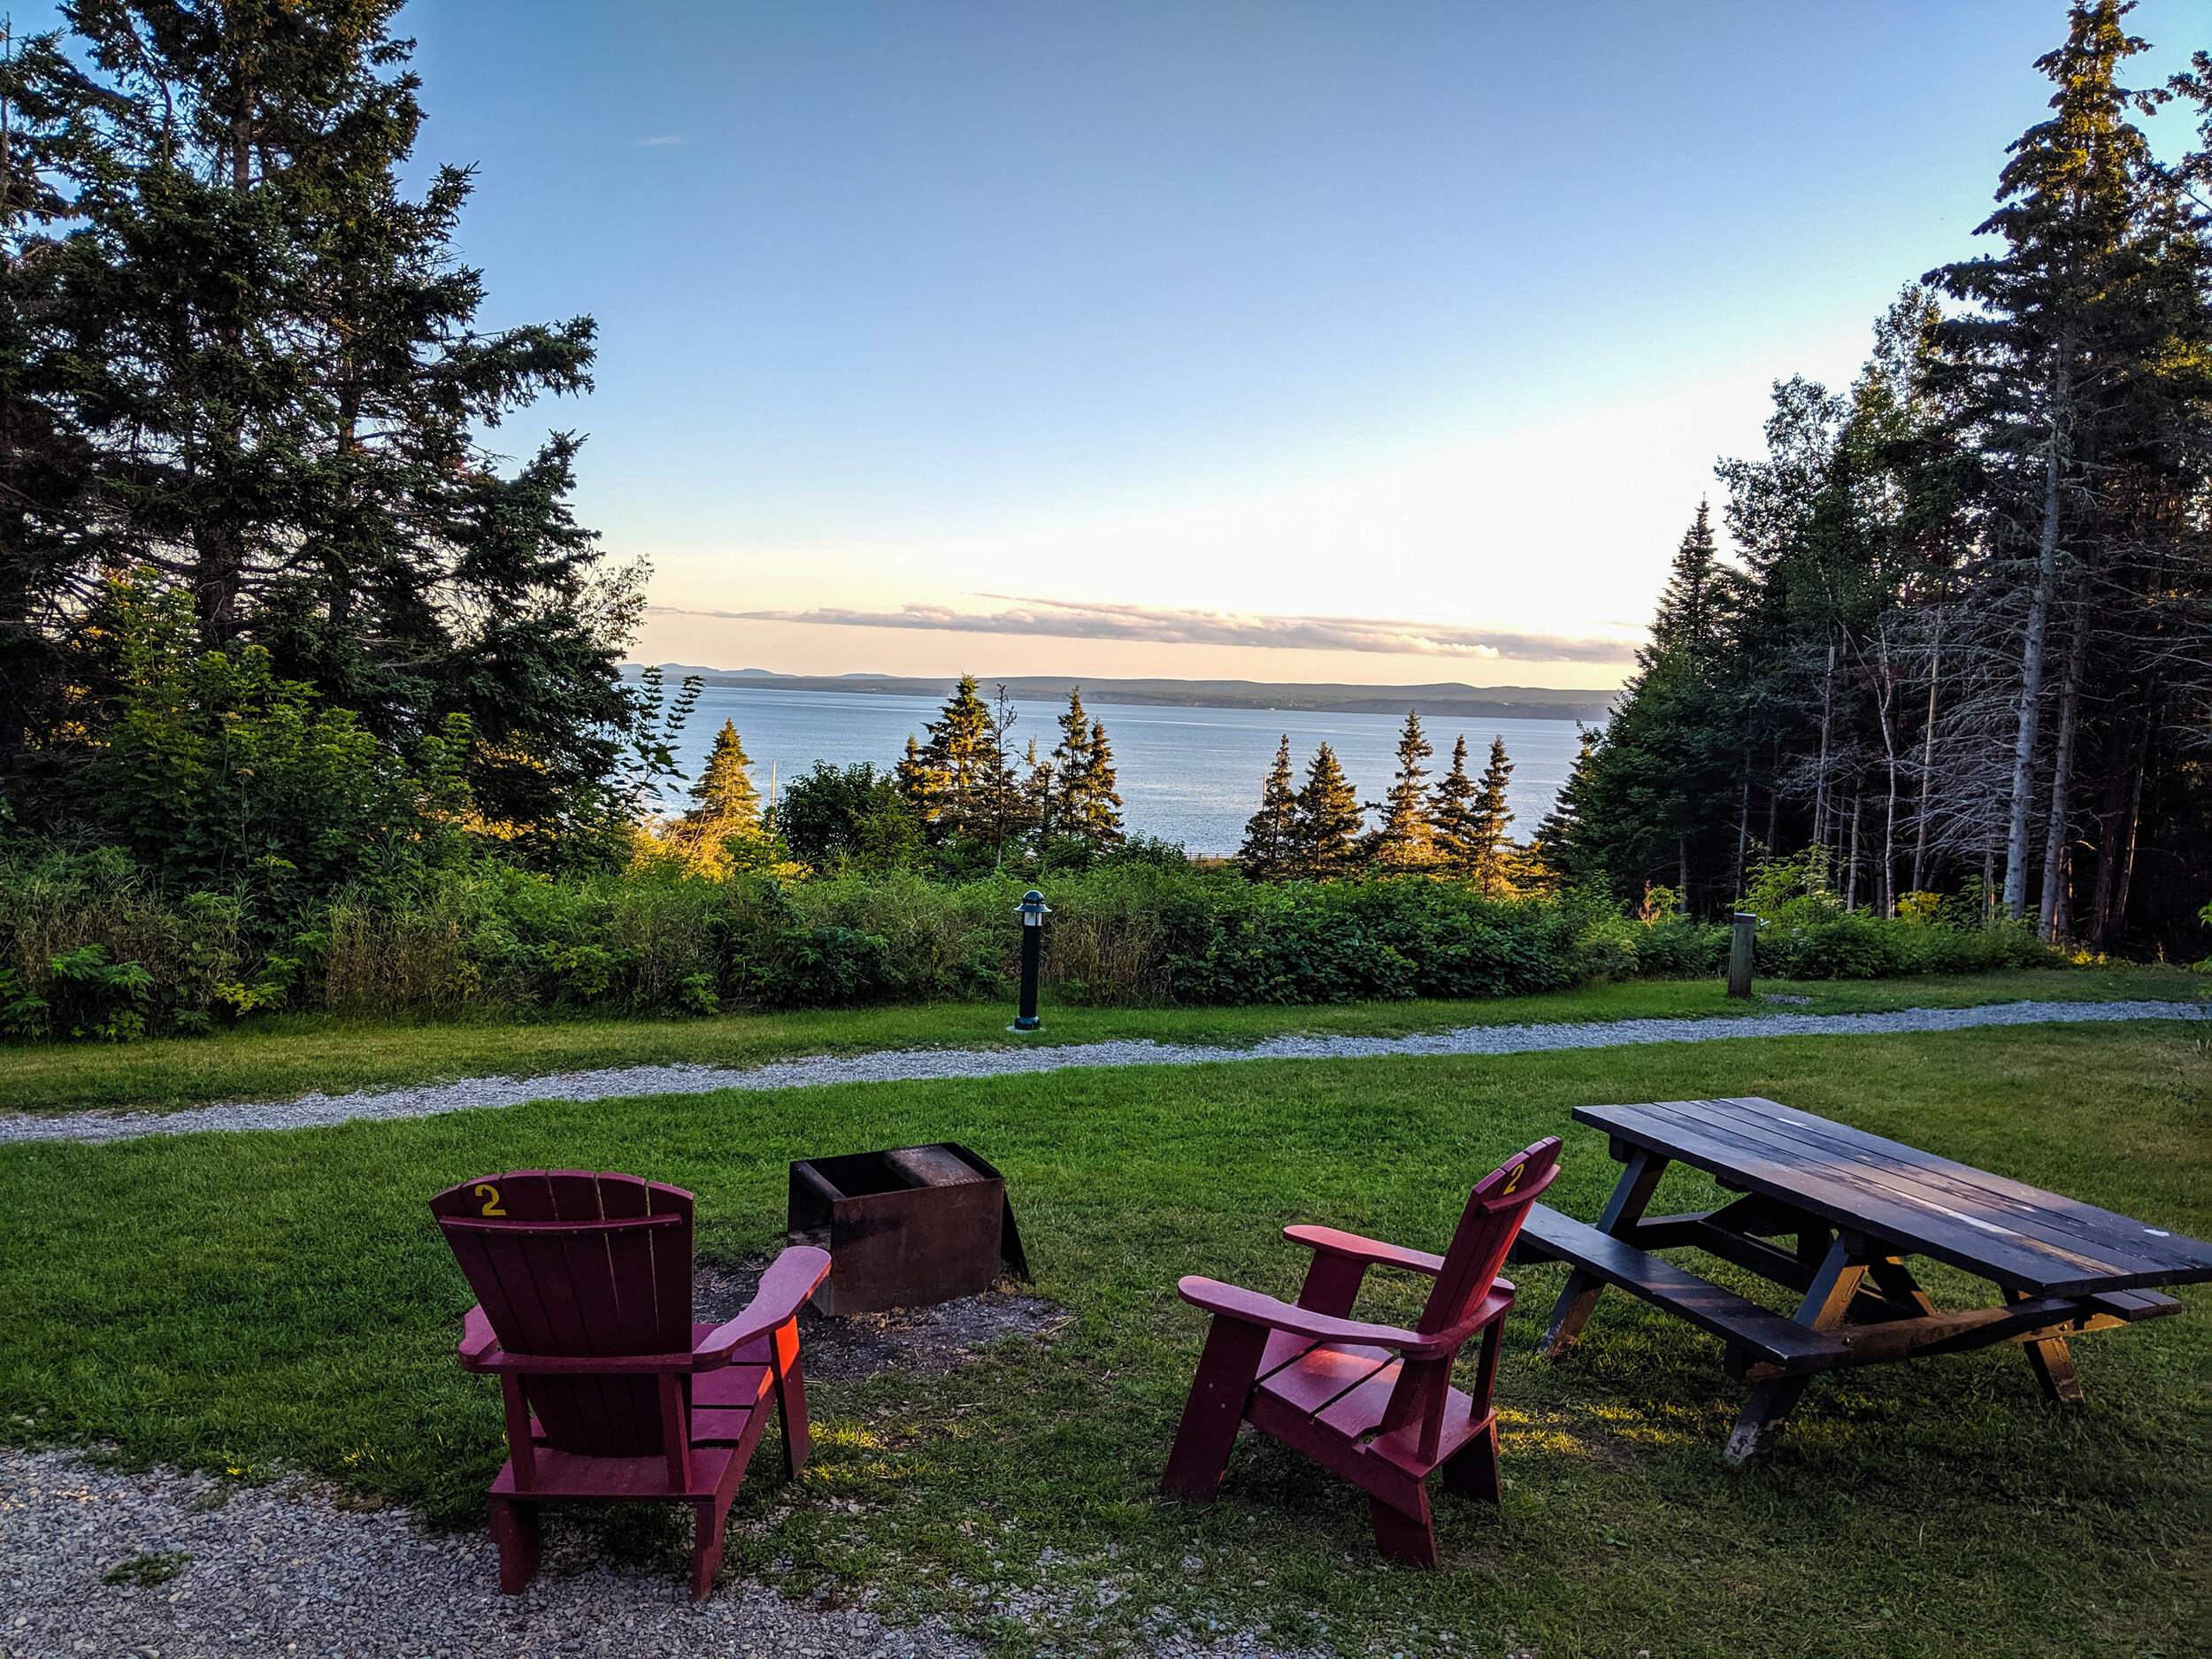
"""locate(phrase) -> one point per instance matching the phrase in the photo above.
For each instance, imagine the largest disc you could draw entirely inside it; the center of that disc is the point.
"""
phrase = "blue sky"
(1158, 338)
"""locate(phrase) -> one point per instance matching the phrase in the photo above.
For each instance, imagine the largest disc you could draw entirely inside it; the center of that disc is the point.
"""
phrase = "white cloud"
(1163, 626)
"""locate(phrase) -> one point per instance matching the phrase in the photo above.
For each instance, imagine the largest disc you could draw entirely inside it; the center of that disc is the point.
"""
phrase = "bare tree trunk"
(1743, 824)
(1851, 883)
(1886, 889)
(1927, 763)
(2053, 924)
(2031, 648)
(1820, 776)
(1682, 866)
(2134, 823)
(2123, 798)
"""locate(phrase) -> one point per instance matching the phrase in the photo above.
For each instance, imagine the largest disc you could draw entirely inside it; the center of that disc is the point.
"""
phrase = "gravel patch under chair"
(270, 1571)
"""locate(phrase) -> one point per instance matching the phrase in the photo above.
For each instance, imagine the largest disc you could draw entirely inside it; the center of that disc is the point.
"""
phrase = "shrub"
(89, 947)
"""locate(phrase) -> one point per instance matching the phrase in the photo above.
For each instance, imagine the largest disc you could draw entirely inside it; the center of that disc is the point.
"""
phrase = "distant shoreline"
(1443, 700)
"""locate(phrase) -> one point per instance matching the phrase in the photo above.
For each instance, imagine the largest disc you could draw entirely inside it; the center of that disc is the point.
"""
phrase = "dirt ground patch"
(851, 1347)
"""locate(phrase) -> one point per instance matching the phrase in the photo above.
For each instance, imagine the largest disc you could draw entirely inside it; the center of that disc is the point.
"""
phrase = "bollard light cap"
(1033, 910)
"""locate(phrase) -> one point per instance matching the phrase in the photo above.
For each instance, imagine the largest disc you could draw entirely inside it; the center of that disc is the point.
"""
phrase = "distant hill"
(1444, 699)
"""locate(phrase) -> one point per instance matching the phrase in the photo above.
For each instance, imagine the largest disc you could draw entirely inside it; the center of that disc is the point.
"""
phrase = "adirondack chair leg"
(798, 1443)
(709, 1520)
(2053, 1364)
(1472, 1471)
(1218, 1392)
(515, 1530)
(1410, 1538)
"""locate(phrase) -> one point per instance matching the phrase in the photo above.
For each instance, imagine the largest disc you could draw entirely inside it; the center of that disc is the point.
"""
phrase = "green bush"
(90, 947)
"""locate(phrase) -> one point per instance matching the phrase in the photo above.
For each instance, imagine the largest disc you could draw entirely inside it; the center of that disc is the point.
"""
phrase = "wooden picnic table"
(1854, 1206)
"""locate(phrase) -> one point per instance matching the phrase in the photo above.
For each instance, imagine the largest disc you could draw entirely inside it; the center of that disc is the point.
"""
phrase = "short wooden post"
(1742, 950)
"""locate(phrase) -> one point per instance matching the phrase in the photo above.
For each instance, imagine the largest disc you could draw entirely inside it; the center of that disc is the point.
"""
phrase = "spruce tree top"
(725, 790)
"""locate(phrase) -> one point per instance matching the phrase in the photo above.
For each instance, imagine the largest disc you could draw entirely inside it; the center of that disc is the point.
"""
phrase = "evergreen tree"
(1095, 798)
(1493, 847)
(1688, 617)
(1040, 793)
(255, 359)
(1084, 798)
(964, 765)
(1561, 845)
(920, 784)
(1326, 826)
(1069, 758)
(1005, 816)
(1269, 852)
(1451, 808)
(2068, 328)
(1406, 841)
(728, 804)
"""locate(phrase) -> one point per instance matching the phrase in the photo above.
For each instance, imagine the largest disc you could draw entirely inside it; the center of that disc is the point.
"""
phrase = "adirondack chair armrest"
(790, 1279)
(1233, 1301)
(1329, 1241)
(478, 1342)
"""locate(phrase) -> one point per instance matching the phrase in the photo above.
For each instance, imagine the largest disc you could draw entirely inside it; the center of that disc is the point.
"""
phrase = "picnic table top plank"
(2008, 1232)
(1909, 1223)
(1858, 1162)
(2052, 1216)
(2046, 1208)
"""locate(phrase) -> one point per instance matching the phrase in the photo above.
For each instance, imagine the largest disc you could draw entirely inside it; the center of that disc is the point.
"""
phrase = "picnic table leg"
(1826, 1302)
(2053, 1365)
(1640, 1178)
(1899, 1287)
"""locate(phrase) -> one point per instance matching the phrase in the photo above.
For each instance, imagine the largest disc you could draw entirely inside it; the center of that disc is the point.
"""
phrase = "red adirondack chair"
(1372, 1402)
(583, 1284)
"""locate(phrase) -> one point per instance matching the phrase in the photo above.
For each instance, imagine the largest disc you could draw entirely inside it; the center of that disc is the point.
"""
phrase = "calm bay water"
(1188, 775)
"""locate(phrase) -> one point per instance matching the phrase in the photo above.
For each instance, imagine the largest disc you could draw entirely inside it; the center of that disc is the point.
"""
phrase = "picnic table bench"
(1853, 1206)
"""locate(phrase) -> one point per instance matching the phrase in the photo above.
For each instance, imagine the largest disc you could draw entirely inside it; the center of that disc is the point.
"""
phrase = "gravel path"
(271, 1570)
(923, 1064)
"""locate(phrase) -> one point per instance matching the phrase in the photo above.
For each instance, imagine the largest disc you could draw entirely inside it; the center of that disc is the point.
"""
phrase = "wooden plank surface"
(2051, 1215)
(2015, 1234)
(1766, 1335)
(1864, 1169)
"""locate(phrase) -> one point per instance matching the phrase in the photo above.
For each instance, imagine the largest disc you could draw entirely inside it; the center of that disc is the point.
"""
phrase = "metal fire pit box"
(906, 1228)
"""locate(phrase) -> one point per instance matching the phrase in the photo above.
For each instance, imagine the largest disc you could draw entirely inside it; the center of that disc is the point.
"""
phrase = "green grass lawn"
(282, 1056)
(246, 1303)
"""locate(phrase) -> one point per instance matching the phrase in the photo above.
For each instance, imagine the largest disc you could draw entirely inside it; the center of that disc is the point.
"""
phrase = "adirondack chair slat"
(672, 1273)
(583, 1283)
(630, 1318)
(1282, 1347)
(1372, 1404)
(1325, 1373)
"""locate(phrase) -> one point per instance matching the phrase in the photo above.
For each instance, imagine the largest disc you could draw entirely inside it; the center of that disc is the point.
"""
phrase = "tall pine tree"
(1490, 841)
(1269, 852)
(1451, 808)
(257, 357)
(1407, 839)
(1326, 833)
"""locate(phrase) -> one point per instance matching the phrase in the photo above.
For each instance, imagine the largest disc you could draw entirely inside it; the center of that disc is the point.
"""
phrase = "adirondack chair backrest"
(1487, 1230)
(568, 1263)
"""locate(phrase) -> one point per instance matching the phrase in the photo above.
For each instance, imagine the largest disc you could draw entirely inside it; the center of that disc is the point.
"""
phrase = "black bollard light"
(1032, 911)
